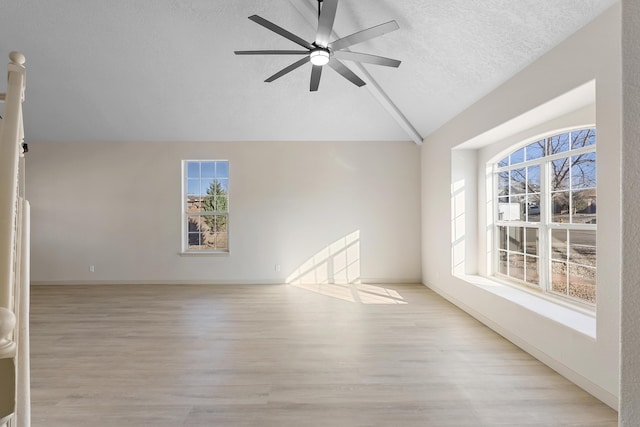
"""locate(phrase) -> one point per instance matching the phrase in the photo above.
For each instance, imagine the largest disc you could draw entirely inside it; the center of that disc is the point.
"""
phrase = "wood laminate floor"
(283, 356)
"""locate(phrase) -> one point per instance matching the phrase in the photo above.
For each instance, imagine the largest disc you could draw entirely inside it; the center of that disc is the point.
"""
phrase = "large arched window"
(545, 207)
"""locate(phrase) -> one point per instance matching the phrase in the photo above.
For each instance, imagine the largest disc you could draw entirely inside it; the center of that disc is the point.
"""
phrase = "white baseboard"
(403, 281)
(586, 384)
(152, 282)
(371, 281)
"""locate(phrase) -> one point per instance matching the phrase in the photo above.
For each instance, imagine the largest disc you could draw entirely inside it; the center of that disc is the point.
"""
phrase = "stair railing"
(15, 398)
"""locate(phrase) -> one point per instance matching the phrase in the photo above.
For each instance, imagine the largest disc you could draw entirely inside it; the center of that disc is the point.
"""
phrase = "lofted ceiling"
(164, 70)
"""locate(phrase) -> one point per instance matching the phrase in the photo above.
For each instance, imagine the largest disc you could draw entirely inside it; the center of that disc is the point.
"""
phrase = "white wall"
(630, 370)
(593, 53)
(117, 206)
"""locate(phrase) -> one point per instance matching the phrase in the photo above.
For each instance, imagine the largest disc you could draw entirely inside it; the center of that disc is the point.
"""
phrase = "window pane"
(535, 150)
(531, 239)
(502, 238)
(533, 179)
(502, 262)
(518, 181)
(560, 207)
(504, 162)
(194, 223)
(223, 185)
(222, 204)
(559, 244)
(194, 227)
(559, 277)
(503, 183)
(511, 211)
(193, 187)
(533, 208)
(518, 207)
(208, 222)
(207, 169)
(222, 169)
(558, 143)
(193, 204)
(584, 207)
(208, 240)
(516, 266)
(560, 174)
(583, 138)
(582, 283)
(517, 157)
(532, 275)
(516, 239)
(206, 186)
(582, 247)
(583, 171)
(194, 239)
(220, 186)
(221, 224)
(193, 169)
(222, 241)
(209, 204)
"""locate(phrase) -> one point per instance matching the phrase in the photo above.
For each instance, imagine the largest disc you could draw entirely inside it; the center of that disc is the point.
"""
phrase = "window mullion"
(545, 237)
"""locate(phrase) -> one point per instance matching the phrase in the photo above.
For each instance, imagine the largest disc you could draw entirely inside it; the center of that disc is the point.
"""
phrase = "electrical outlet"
(92, 268)
(277, 268)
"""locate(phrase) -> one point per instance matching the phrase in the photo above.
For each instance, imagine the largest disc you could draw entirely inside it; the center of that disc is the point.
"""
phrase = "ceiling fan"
(321, 52)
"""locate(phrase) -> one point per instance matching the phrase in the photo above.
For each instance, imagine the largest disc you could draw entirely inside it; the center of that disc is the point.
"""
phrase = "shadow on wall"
(335, 271)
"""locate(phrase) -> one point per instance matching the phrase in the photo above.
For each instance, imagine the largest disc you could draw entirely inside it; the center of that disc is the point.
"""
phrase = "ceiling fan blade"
(316, 72)
(364, 35)
(281, 31)
(271, 52)
(364, 57)
(346, 73)
(325, 22)
(288, 69)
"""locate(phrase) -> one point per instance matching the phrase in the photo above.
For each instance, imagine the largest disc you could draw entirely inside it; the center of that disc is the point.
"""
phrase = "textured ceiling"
(157, 70)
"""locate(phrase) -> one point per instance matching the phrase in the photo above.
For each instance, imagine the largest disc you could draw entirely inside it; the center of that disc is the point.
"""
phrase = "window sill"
(204, 253)
(576, 318)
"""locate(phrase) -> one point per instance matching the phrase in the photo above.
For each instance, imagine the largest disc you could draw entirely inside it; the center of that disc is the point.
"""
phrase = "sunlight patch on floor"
(355, 292)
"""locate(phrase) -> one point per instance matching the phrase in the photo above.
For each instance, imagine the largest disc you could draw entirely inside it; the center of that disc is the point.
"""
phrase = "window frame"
(545, 226)
(185, 214)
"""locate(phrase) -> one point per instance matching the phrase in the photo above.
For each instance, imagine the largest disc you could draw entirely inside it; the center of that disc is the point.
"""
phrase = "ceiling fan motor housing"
(319, 56)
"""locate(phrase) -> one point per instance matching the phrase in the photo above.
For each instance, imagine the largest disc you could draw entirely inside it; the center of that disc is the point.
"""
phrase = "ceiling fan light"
(319, 57)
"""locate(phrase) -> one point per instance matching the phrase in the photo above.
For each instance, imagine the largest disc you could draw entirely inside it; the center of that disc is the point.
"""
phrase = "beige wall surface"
(452, 178)
(630, 330)
(308, 207)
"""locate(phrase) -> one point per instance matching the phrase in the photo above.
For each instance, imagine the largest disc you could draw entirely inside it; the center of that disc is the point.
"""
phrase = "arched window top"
(552, 145)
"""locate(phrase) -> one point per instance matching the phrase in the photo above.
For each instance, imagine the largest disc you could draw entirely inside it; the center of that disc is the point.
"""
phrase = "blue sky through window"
(202, 174)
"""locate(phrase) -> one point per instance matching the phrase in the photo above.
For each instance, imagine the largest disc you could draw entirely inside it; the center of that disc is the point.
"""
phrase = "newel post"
(10, 143)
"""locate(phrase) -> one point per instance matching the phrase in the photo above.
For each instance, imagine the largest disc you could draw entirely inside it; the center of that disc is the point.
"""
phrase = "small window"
(205, 206)
(545, 205)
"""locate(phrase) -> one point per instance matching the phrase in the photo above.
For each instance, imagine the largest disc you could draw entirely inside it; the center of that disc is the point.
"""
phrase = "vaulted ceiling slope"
(158, 70)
